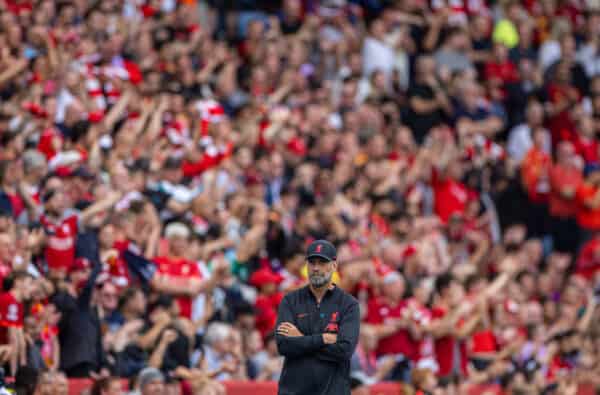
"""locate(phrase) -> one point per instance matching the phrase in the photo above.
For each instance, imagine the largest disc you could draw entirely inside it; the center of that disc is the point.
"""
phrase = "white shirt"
(589, 57)
(519, 142)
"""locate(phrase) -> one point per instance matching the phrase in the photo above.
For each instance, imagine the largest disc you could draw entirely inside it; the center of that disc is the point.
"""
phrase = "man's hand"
(329, 338)
(288, 329)
(169, 336)
(229, 366)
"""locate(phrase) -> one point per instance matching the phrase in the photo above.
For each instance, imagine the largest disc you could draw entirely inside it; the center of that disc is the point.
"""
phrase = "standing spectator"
(588, 198)
(520, 138)
(267, 300)
(18, 289)
(565, 178)
(535, 173)
(428, 103)
(81, 356)
(392, 327)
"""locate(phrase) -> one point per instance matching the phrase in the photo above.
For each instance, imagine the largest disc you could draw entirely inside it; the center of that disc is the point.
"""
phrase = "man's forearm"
(300, 345)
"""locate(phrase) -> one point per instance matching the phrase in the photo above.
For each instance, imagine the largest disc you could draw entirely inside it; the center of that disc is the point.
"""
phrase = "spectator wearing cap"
(268, 299)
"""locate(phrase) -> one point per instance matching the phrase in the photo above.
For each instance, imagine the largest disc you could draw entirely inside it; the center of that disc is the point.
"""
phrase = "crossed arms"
(338, 348)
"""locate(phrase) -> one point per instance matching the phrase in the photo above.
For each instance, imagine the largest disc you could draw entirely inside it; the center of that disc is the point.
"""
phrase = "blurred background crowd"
(164, 163)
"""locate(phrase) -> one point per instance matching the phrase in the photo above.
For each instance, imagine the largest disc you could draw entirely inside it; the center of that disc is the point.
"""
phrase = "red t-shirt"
(506, 72)
(535, 172)
(380, 312)
(179, 268)
(587, 218)
(116, 268)
(11, 315)
(266, 312)
(5, 270)
(18, 206)
(451, 197)
(560, 177)
(445, 348)
(60, 245)
(561, 125)
(587, 148)
(483, 342)
(557, 365)
(422, 316)
(588, 261)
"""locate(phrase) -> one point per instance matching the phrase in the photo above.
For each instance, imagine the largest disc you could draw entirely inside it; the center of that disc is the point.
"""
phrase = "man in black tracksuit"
(317, 330)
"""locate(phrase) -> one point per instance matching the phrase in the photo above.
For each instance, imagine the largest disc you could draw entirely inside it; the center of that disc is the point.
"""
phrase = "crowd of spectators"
(164, 163)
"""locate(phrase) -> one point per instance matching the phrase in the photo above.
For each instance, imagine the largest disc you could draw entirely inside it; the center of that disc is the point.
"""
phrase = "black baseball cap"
(322, 249)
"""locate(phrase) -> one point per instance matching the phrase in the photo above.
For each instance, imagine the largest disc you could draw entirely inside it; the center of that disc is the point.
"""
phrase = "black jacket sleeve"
(85, 297)
(294, 347)
(347, 337)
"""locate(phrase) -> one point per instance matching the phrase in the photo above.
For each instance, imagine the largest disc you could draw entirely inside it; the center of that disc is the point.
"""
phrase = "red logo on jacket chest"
(333, 323)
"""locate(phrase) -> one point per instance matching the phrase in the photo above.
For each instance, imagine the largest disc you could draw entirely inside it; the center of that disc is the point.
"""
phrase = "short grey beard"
(319, 281)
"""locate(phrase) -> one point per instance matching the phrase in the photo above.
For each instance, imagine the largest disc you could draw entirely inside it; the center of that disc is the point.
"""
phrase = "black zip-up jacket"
(312, 367)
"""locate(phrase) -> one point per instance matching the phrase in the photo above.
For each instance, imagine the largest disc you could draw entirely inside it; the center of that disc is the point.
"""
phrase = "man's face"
(7, 250)
(320, 271)
(60, 385)
(58, 203)
(114, 388)
(178, 245)
(25, 286)
(156, 387)
(109, 298)
(394, 290)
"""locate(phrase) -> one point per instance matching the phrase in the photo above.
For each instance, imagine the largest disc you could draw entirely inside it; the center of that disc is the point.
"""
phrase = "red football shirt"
(446, 347)
(11, 315)
(182, 268)
(587, 218)
(117, 270)
(266, 312)
(451, 197)
(380, 312)
(60, 245)
(588, 262)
